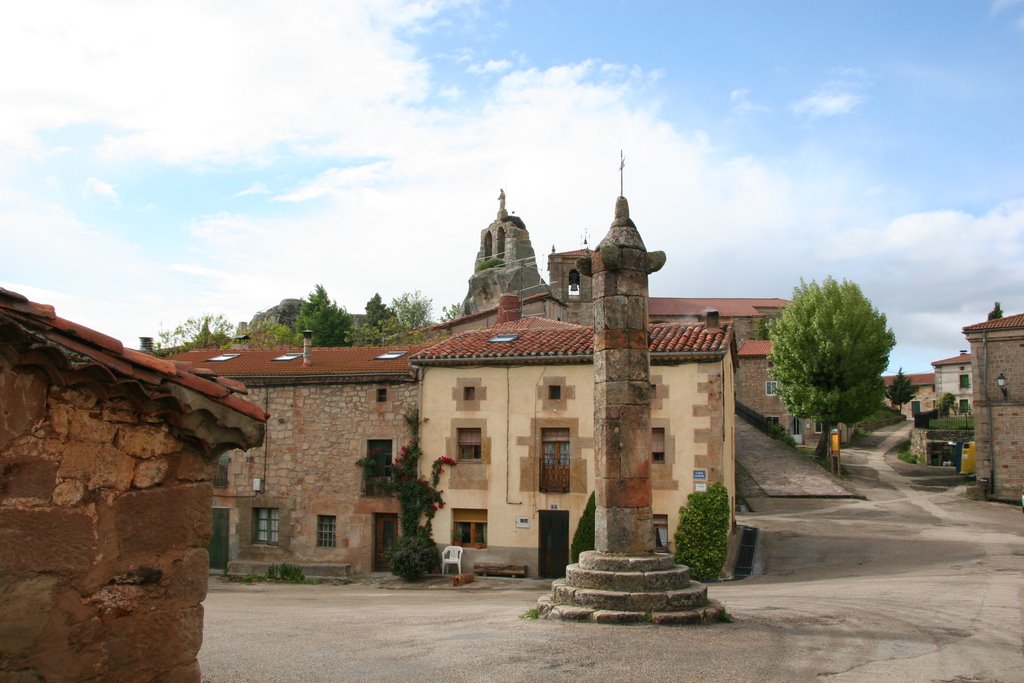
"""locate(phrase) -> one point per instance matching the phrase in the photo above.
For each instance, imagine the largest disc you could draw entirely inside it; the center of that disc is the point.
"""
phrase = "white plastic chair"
(452, 555)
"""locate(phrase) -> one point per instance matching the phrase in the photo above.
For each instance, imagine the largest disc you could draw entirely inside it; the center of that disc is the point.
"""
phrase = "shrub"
(779, 433)
(904, 453)
(286, 572)
(489, 263)
(702, 539)
(583, 539)
(414, 555)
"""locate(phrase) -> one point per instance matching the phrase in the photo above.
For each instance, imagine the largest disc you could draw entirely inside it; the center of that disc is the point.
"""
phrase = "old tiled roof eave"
(673, 357)
(329, 378)
(532, 359)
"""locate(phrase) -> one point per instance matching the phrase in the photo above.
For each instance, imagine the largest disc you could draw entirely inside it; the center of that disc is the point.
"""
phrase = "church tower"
(505, 263)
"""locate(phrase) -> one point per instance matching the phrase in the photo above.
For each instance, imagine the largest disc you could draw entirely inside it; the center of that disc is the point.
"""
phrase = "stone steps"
(692, 596)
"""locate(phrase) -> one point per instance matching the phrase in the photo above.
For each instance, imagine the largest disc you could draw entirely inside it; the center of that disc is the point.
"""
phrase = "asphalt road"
(912, 584)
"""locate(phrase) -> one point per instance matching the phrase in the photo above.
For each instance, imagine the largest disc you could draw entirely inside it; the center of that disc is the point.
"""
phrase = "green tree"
(449, 313)
(829, 349)
(331, 324)
(901, 391)
(206, 331)
(763, 329)
(583, 539)
(379, 324)
(996, 312)
(269, 335)
(413, 311)
(946, 403)
(702, 538)
(377, 312)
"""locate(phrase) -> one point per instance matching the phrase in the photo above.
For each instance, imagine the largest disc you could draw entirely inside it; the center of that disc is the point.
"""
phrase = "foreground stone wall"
(104, 515)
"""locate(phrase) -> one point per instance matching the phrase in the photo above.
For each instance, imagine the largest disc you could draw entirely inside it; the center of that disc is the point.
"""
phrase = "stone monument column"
(622, 388)
(623, 580)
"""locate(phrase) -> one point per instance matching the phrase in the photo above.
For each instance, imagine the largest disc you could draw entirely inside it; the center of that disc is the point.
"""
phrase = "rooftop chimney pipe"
(307, 348)
(711, 320)
(510, 308)
(146, 345)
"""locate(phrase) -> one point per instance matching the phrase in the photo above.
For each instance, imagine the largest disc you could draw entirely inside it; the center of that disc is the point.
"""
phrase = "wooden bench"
(499, 569)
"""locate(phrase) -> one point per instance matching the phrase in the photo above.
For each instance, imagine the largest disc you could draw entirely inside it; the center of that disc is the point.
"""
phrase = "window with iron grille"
(658, 444)
(555, 392)
(326, 531)
(554, 472)
(470, 441)
(265, 522)
(378, 454)
(220, 477)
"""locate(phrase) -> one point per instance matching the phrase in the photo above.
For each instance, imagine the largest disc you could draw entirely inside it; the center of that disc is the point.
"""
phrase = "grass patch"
(904, 454)
(532, 613)
(289, 573)
(725, 617)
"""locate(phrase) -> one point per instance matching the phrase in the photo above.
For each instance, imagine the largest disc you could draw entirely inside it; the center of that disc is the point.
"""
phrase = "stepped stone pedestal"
(622, 589)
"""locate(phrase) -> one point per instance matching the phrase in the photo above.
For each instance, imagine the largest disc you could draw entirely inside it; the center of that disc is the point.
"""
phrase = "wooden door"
(385, 531)
(218, 546)
(553, 545)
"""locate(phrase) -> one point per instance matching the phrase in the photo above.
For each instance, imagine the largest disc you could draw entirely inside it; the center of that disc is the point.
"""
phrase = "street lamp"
(1001, 382)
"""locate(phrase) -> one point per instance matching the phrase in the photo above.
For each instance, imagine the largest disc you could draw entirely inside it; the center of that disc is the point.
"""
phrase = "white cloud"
(337, 180)
(97, 188)
(741, 102)
(451, 92)
(491, 66)
(828, 103)
(223, 229)
(256, 188)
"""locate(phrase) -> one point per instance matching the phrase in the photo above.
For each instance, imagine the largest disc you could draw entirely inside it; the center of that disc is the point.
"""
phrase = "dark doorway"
(385, 531)
(218, 547)
(553, 546)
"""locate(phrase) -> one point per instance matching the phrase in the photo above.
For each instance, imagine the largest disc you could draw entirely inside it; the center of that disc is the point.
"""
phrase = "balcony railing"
(554, 479)
(376, 486)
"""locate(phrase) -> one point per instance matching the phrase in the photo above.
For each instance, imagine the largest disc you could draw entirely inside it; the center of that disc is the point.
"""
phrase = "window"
(469, 528)
(771, 387)
(220, 477)
(819, 427)
(223, 357)
(554, 471)
(265, 523)
(773, 419)
(289, 356)
(965, 406)
(965, 381)
(504, 337)
(469, 444)
(382, 395)
(390, 355)
(378, 469)
(554, 392)
(326, 531)
(658, 444)
(468, 393)
(661, 533)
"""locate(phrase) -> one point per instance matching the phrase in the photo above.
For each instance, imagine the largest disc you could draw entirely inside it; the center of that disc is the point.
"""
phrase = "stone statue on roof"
(501, 205)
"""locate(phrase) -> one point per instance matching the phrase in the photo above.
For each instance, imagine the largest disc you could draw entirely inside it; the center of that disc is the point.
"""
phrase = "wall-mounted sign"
(700, 486)
(554, 506)
(700, 474)
(522, 522)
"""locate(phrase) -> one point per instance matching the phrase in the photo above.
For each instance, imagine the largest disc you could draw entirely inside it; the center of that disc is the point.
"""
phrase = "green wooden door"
(218, 547)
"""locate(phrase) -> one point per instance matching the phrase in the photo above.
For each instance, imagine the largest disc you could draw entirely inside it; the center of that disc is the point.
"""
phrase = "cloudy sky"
(163, 159)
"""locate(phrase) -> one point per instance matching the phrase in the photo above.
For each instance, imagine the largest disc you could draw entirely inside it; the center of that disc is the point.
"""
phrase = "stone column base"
(625, 589)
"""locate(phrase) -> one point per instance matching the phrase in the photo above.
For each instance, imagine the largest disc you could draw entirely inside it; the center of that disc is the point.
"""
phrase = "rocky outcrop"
(285, 313)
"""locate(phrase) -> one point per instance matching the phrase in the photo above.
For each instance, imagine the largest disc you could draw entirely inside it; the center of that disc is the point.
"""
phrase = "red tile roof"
(337, 360)
(962, 359)
(578, 253)
(917, 379)
(567, 342)
(726, 307)
(755, 348)
(448, 324)
(84, 348)
(1005, 322)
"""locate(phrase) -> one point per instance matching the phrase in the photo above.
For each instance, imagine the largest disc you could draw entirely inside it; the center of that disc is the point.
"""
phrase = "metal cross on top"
(622, 165)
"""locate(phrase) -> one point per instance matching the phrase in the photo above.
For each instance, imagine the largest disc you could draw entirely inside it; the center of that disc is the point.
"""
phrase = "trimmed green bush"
(583, 539)
(414, 555)
(702, 539)
(779, 433)
(489, 263)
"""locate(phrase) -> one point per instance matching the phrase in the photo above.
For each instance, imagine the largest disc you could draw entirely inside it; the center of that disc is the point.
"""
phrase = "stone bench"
(315, 571)
(499, 569)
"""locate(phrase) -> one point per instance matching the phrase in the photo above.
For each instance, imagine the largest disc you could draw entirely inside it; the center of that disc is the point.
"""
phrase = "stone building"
(924, 396)
(302, 497)
(953, 376)
(106, 456)
(514, 406)
(997, 347)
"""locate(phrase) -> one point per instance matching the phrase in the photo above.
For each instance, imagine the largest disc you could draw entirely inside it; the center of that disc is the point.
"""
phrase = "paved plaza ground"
(912, 582)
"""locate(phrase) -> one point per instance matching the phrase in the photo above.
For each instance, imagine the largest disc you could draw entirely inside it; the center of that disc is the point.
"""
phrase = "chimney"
(243, 328)
(146, 345)
(963, 352)
(711, 322)
(307, 348)
(510, 308)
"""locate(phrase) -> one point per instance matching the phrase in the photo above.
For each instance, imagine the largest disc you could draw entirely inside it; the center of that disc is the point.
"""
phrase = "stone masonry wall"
(104, 515)
(315, 435)
(999, 421)
(750, 390)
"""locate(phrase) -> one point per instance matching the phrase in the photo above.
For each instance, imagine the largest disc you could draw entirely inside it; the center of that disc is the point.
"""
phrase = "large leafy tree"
(398, 322)
(379, 324)
(829, 349)
(413, 310)
(206, 331)
(331, 324)
(901, 391)
(269, 335)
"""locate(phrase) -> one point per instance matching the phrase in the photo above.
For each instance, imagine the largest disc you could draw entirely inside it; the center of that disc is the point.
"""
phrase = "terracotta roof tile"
(962, 359)
(486, 312)
(755, 348)
(917, 379)
(336, 360)
(578, 253)
(84, 347)
(567, 341)
(1009, 321)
